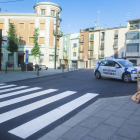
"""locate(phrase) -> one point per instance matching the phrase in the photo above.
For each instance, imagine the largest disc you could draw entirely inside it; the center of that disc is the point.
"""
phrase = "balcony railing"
(80, 57)
(91, 39)
(81, 49)
(102, 38)
(101, 47)
(91, 48)
(59, 33)
(132, 54)
(91, 56)
(101, 56)
(81, 40)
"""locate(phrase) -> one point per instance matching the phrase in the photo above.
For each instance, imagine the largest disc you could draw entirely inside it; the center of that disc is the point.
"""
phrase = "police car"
(116, 68)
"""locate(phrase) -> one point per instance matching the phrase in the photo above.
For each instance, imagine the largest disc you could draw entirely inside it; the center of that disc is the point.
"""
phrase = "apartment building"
(132, 43)
(44, 18)
(70, 50)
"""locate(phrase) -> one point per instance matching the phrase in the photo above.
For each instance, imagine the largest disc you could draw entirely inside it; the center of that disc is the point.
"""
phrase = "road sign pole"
(26, 58)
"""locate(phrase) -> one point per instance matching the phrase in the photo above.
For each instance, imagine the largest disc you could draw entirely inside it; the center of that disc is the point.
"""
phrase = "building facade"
(44, 18)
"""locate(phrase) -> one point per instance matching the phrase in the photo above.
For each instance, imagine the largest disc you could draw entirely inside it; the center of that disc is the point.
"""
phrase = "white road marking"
(7, 86)
(18, 92)
(39, 123)
(10, 89)
(2, 84)
(25, 109)
(26, 97)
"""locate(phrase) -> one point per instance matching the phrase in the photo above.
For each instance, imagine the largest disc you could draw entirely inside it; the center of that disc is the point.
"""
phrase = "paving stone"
(115, 121)
(103, 114)
(115, 137)
(130, 131)
(76, 133)
(131, 106)
(138, 138)
(137, 112)
(103, 132)
(123, 113)
(119, 102)
(89, 138)
(134, 120)
(91, 122)
(112, 108)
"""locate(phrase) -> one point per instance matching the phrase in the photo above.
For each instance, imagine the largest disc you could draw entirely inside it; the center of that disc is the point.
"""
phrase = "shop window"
(51, 57)
(1, 56)
(10, 57)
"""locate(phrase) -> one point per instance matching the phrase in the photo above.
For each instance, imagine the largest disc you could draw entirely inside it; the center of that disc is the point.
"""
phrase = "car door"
(104, 68)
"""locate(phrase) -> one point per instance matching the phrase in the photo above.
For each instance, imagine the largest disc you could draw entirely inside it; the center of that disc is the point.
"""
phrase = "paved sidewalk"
(15, 76)
(116, 118)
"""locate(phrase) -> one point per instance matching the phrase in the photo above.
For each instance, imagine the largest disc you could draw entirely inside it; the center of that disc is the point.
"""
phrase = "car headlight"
(134, 72)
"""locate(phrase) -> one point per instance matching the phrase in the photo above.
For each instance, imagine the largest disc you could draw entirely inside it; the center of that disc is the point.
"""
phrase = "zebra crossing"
(29, 128)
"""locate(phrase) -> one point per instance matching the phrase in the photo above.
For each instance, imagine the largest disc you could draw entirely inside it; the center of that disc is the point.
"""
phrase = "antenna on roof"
(115, 22)
(128, 15)
(95, 23)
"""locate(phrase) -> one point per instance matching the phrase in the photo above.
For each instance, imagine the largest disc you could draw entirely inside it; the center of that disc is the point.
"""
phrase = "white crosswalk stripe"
(39, 123)
(7, 86)
(18, 92)
(26, 97)
(10, 89)
(22, 110)
(32, 126)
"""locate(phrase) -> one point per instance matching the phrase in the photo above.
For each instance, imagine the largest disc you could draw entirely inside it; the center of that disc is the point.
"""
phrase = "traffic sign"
(26, 56)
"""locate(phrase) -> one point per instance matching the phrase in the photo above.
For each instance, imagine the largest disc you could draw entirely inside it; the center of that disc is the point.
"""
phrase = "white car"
(116, 68)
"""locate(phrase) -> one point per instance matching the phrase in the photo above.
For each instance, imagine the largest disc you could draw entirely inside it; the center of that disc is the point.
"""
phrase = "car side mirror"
(117, 66)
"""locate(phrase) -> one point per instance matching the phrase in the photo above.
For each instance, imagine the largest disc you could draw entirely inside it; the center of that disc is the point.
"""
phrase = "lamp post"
(56, 29)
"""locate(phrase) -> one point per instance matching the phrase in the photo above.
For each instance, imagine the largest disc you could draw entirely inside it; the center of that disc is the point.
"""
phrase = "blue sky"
(80, 14)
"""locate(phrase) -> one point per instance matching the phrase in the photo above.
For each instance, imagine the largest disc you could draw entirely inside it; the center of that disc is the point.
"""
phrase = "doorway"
(20, 59)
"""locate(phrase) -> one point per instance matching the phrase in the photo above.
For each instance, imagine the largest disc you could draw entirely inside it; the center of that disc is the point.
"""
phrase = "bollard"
(38, 71)
(6, 69)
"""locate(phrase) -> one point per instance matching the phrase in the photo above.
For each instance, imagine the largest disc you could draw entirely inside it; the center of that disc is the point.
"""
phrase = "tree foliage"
(36, 49)
(12, 39)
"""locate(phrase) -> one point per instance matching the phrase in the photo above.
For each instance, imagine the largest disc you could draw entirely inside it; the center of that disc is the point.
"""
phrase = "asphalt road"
(82, 82)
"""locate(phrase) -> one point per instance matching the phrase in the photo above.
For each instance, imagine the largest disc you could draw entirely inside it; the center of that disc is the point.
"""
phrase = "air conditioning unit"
(123, 54)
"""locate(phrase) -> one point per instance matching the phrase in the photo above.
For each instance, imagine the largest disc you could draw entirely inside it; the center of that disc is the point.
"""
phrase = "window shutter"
(21, 40)
(21, 26)
(42, 26)
(31, 40)
(31, 26)
(41, 40)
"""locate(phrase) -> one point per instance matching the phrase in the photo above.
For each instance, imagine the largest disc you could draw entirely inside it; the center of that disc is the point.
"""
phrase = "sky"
(81, 14)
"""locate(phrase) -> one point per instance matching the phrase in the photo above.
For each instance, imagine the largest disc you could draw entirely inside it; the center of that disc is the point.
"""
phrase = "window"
(21, 40)
(31, 40)
(104, 63)
(31, 57)
(21, 26)
(1, 26)
(1, 56)
(10, 57)
(133, 47)
(43, 11)
(112, 63)
(31, 26)
(51, 57)
(42, 26)
(132, 35)
(66, 38)
(74, 45)
(74, 54)
(82, 38)
(52, 12)
(41, 57)
(41, 40)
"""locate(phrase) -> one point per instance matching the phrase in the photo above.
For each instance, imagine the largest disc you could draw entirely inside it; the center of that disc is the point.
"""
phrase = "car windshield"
(126, 63)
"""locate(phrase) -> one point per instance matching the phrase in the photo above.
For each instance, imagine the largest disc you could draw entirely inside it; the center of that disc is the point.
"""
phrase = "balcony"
(81, 40)
(91, 56)
(59, 33)
(65, 57)
(115, 37)
(102, 38)
(91, 48)
(115, 47)
(101, 56)
(80, 57)
(91, 39)
(132, 54)
(64, 50)
(81, 49)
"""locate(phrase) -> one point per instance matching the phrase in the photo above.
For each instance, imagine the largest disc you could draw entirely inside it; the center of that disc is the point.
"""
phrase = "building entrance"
(20, 59)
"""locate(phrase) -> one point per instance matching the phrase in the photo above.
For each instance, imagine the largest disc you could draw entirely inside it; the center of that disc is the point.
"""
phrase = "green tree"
(36, 49)
(12, 40)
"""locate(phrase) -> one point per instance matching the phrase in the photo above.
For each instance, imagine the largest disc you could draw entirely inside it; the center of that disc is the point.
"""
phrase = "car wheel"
(98, 75)
(126, 77)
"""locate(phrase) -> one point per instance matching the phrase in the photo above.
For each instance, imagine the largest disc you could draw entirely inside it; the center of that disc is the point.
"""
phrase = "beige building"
(44, 18)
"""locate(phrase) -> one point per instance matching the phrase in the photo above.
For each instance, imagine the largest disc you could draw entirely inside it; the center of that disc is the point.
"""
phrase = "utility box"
(29, 66)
